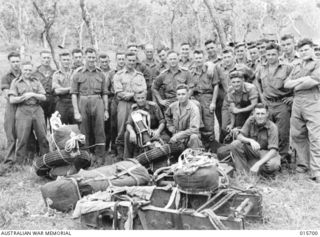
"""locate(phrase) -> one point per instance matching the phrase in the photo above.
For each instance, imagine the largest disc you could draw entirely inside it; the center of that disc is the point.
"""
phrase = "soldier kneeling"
(144, 127)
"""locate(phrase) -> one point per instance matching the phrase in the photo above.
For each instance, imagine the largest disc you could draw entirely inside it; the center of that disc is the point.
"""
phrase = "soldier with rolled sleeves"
(113, 132)
(203, 93)
(222, 83)
(242, 97)
(270, 78)
(157, 124)
(61, 85)
(170, 79)
(44, 73)
(289, 56)
(305, 123)
(27, 92)
(256, 148)
(126, 82)
(183, 119)
(10, 109)
(90, 103)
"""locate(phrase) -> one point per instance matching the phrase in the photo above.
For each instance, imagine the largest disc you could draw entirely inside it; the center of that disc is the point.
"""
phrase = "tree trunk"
(171, 30)
(48, 22)
(217, 26)
(87, 19)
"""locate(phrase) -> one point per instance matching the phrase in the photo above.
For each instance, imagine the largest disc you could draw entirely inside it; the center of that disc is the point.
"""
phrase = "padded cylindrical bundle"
(44, 164)
(64, 193)
(124, 173)
(160, 153)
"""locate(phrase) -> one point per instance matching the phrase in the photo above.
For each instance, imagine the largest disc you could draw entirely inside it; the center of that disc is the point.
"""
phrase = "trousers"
(65, 108)
(30, 118)
(92, 125)
(9, 128)
(244, 157)
(305, 131)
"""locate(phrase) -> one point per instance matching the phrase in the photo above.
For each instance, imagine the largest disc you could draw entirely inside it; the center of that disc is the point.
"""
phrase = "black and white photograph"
(165, 115)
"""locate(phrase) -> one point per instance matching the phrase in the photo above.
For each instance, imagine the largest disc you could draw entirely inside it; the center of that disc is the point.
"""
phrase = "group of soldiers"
(264, 93)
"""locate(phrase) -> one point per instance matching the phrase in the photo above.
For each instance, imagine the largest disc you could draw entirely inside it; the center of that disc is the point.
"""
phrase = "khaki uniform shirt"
(62, 79)
(44, 75)
(187, 123)
(303, 68)
(126, 81)
(86, 82)
(266, 135)
(188, 64)
(273, 83)
(21, 86)
(203, 83)
(169, 81)
(248, 93)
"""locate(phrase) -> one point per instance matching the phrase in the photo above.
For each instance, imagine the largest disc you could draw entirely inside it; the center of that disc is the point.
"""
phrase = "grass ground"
(289, 202)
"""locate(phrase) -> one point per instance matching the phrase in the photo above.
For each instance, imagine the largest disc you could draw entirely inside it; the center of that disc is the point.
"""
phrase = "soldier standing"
(270, 79)
(305, 123)
(126, 82)
(61, 84)
(90, 103)
(10, 109)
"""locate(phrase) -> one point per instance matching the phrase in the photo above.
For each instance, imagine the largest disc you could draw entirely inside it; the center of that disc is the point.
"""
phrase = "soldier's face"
(306, 52)
(272, 56)
(133, 49)
(121, 60)
(149, 53)
(131, 62)
(163, 56)
(237, 83)
(91, 59)
(140, 99)
(27, 71)
(185, 50)
(104, 63)
(211, 49)
(45, 59)
(228, 59)
(287, 46)
(254, 54)
(199, 59)
(77, 58)
(262, 49)
(173, 60)
(182, 95)
(241, 52)
(15, 63)
(65, 61)
(260, 115)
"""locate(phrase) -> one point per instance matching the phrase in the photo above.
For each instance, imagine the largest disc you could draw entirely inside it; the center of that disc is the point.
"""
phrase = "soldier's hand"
(229, 128)
(77, 117)
(27, 95)
(133, 138)
(254, 169)
(173, 139)
(255, 145)
(164, 103)
(212, 107)
(106, 115)
(156, 135)
(235, 110)
(288, 100)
